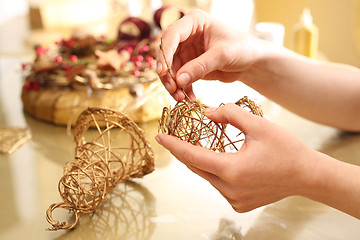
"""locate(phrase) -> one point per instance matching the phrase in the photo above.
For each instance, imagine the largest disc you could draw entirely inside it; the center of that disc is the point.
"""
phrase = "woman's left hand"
(271, 164)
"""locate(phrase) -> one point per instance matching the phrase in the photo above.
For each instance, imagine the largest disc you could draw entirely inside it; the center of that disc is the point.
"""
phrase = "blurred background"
(338, 21)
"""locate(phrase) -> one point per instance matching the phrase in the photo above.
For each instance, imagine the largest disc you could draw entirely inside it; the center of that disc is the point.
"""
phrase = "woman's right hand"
(199, 47)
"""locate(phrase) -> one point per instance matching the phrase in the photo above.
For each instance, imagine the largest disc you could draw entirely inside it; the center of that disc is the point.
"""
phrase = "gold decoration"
(112, 59)
(113, 152)
(187, 122)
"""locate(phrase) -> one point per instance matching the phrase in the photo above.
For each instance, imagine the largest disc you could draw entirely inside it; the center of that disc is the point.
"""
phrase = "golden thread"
(169, 70)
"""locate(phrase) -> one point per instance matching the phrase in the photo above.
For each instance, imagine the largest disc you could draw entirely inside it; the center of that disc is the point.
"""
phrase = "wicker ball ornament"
(113, 151)
(188, 122)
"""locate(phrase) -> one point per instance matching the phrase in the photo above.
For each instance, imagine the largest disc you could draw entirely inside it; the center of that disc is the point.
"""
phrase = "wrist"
(334, 183)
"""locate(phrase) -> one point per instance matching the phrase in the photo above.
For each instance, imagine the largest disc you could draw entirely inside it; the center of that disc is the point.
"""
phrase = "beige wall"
(338, 22)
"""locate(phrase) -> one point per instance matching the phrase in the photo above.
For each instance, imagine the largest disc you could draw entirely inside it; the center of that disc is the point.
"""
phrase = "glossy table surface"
(170, 203)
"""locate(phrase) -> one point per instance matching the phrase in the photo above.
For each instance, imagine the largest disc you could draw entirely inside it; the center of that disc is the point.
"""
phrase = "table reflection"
(124, 214)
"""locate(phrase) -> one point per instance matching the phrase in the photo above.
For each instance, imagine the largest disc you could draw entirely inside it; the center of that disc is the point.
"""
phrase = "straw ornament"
(187, 121)
(114, 151)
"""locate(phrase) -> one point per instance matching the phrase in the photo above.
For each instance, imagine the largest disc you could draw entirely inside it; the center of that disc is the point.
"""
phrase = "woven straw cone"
(101, 162)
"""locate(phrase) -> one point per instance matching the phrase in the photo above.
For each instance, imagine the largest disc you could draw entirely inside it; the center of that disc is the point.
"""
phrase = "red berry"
(70, 43)
(137, 63)
(144, 49)
(129, 50)
(73, 58)
(152, 64)
(35, 86)
(139, 58)
(58, 59)
(149, 59)
(39, 50)
(24, 66)
(136, 73)
(27, 85)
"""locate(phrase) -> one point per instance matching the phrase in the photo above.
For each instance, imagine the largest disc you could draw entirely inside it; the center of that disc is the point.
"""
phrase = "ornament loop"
(56, 225)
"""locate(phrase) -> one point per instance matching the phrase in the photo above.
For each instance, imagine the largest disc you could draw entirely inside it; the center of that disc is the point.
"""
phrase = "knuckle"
(187, 155)
(166, 33)
(229, 107)
(231, 173)
(226, 52)
(197, 12)
(201, 68)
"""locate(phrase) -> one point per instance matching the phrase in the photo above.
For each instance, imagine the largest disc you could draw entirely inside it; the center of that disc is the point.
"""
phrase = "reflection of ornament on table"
(228, 230)
(187, 122)
(12, 138)
(125, 214)
(115, 151)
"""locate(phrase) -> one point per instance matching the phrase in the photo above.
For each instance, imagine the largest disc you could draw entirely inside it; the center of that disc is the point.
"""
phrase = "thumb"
(234, 115)
(198, 67)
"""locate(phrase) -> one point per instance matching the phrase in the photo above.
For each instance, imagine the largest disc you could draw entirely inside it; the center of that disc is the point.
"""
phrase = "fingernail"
(175, 96)
(158, 67)
(158, 139)
(184, 79)
(167, 86)
(192, 96)
(209, 111)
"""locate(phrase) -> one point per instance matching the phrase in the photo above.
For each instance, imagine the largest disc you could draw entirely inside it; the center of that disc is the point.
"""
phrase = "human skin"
(198, 47)
(272, 163)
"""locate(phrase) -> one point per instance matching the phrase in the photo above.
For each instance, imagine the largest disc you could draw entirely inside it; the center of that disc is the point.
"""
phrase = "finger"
(168, 83)
(190, 95)
(170, 41)
(199, 67)
(234, 115)
(214, 180)
(205, 175)
(191, 155)
(180, 94)
(165, 54)
(177, 33)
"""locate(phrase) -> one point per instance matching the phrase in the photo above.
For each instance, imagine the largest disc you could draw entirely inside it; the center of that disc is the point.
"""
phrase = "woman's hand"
(199, 47)
(271, 165)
